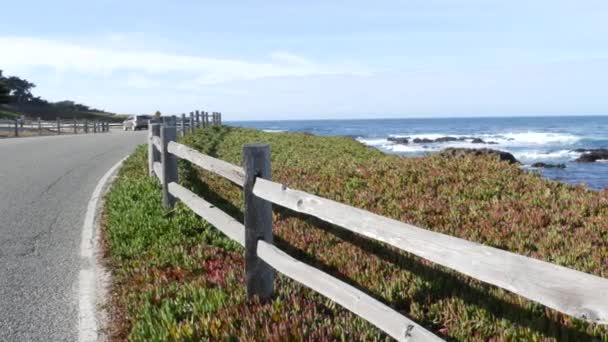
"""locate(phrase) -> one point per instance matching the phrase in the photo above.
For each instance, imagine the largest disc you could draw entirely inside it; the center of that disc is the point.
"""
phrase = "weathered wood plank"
(158, 171)
(388, 320)
(153, 153)
(575, 293)
(259, 276)
(222, 221)
(156, 142)
(169, 164)
(232, 172)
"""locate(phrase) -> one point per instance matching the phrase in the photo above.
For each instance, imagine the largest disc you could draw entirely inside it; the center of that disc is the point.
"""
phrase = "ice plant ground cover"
(177, 278)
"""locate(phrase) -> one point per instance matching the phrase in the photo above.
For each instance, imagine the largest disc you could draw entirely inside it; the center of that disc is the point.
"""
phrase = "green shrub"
(177, 278)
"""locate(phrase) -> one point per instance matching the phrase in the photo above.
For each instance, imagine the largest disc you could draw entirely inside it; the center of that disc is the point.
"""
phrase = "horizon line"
(431, 118)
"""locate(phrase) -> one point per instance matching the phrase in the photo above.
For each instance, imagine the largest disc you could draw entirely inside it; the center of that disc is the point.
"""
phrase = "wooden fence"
(571, 292)
(19, 127)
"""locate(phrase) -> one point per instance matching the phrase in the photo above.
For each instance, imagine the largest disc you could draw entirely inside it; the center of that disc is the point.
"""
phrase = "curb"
(92, 277)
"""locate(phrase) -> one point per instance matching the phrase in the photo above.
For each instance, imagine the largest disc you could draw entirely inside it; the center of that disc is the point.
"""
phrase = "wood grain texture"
(169, 164)
(152, 153)
(158, 171)
(229, 171)
(575, 293)
(259, 276)
(219, 219)
(156, 142)
(388, 320)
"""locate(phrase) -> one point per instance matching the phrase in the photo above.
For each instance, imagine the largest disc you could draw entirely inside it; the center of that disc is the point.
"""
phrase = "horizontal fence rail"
(156, 142)
(229, 171)
(29, 127)
(572, 292)
(380, 315)
(569, 291)
(219, 219)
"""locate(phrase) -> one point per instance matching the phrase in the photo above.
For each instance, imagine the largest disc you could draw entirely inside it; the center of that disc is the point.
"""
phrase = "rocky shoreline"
(587, 155)
(591, 155)
(408, 140)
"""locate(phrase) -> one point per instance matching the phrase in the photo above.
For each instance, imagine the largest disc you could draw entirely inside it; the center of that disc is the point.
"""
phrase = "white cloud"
(23, 52)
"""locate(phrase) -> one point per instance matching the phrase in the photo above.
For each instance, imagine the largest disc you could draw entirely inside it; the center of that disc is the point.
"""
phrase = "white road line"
(87, 323)
(86, 244)
(87, 301)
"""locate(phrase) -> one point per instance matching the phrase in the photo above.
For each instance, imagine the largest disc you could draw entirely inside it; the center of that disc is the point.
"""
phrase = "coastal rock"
(548, 166)
(462, 152)
(448, 139)
(399, 140)
(422, 141)
(592, 155)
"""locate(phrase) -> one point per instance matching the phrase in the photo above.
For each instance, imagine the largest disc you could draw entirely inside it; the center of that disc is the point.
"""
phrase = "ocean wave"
(373, 142)
(540, 138)
(274, 130)
(529, 156)
(527, 147)
(507, 138)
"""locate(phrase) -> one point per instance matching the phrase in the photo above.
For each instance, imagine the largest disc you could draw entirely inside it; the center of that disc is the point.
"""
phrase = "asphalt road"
(45, 185)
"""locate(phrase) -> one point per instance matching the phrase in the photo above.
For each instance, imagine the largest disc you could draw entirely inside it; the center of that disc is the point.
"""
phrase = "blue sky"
(314, 59)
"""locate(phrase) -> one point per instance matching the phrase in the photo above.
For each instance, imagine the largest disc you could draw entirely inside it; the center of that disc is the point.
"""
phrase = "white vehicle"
(136, 122)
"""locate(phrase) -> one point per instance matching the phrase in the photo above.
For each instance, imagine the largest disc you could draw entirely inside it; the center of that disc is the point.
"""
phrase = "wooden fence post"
(153, 131)
(169, 164)
(183, 127)
(219, 118)
(58, 126)
(16, 127)
(197, 115)
(75, 129)
(258, 222)
(86, 126)
(191, 122)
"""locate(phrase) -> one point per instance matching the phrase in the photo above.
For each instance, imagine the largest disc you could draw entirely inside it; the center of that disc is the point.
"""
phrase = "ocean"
(530, 139)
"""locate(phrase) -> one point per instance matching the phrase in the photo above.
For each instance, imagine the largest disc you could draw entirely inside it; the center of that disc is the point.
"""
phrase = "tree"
(20, 89)
(4, 91)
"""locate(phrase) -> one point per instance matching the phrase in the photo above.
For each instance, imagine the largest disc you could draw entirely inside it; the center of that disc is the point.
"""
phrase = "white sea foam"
(539, 138)
(535, 155)
(526, 146)
(530, 137)
(274, 130)
(373, 142)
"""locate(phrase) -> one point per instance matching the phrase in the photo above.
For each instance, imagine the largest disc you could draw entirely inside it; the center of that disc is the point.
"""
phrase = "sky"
(269, 60)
